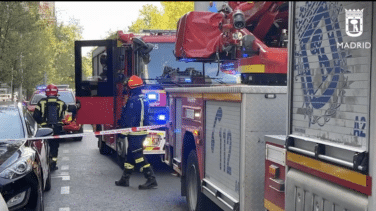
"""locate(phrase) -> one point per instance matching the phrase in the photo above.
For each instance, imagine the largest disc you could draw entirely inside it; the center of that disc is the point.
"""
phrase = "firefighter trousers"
(55, 143)
(136, 158)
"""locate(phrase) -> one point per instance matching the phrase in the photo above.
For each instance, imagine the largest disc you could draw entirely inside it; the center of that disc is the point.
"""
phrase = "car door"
(40, 146)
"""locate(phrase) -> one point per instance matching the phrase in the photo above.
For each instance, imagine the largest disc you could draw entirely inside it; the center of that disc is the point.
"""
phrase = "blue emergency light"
(188, 80)
(41, 87)
(152, 96)
(161, 117)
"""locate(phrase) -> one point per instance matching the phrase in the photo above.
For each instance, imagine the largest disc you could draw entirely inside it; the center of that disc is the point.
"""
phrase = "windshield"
(65, 96)
(162, 56)
(13, 128)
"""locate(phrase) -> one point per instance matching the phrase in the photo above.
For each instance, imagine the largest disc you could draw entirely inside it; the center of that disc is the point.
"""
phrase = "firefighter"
(135, 114)
(49, 112)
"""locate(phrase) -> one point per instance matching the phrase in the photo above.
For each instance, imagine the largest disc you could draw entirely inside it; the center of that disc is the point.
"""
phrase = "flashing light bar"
(161, 117)
(187, 60)
(41, 87)
(152, 96)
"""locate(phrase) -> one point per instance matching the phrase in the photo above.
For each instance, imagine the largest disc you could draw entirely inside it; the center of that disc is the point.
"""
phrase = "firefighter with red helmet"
(50, 112)
(135, 114)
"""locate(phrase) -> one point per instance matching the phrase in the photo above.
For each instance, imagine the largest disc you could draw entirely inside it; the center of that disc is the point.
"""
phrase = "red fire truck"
(215, 138)
(148, 55)
(327, 161)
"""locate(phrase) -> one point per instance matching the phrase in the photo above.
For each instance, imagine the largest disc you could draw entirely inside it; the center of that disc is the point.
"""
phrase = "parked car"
(24, 164)
(5, 97)
(66, 95)
(3, 205)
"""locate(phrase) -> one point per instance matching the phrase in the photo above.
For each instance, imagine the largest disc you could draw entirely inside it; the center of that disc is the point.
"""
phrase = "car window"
(65, 96)
(36, 98)
(10, 124)
(31, 124)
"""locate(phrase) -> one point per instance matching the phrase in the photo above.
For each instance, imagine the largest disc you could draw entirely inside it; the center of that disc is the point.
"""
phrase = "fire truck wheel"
(195, 199)
(120, 148)
(103, 148)
(80, 131)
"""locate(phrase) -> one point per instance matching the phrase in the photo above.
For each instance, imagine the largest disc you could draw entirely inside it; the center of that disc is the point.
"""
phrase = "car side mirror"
(42, 132)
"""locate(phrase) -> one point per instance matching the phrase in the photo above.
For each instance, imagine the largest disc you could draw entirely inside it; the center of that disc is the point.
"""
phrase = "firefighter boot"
(53, 165)
(151, 182)
(124, 180)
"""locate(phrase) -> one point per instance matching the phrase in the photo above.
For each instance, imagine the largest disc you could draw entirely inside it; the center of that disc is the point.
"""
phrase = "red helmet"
(51, 90)
(134, 82)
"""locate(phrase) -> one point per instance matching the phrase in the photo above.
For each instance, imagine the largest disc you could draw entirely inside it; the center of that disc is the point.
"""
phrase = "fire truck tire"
(103, 148)
(120, 152)
(80, 131)
(196, 200)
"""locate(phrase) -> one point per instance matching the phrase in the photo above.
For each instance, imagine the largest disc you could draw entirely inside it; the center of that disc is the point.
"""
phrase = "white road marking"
(65, 167)
(64, 209)
(65, 190)
(65, 158)
(66, 177)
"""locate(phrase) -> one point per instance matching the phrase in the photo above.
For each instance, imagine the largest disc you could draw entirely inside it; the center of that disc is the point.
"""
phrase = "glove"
(78, 104)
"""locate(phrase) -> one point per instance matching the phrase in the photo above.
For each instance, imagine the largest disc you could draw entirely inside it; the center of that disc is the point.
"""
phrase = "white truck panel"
(330, 98)
(322, 75)
(311, 193)
(264, 116)
(222, 146)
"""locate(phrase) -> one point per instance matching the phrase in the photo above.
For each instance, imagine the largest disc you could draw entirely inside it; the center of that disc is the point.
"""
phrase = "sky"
(98, 18)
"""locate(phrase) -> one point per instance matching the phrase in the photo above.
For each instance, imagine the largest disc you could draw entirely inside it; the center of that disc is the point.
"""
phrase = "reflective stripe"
(51, 100)
(54, 159)
(43, 105)
(128, 166)
(137, 150)
(44, 123)
(142, 110)
(37, 108)
(145, 166)
(61, 108)
(139, 160)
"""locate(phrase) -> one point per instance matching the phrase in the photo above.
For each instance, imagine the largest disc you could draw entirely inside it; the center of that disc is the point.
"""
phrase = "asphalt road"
(85, 181)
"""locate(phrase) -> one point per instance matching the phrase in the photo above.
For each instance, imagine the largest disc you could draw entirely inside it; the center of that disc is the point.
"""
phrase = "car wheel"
(195, 199)
(36, 202)
(40, 202)
(103, 148)
(47, 187)
(80, 131)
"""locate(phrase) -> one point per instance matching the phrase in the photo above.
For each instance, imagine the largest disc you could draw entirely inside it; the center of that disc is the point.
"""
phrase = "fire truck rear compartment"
(307, 192)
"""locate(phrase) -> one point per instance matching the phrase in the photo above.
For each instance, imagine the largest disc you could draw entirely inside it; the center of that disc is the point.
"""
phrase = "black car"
(24, 164)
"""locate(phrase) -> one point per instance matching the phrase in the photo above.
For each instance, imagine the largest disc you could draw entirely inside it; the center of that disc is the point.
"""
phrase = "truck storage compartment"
(235, 146)
(305, 192)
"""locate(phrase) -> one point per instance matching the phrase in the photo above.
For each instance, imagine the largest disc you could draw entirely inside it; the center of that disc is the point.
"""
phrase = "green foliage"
(32, 47)
(165, 19)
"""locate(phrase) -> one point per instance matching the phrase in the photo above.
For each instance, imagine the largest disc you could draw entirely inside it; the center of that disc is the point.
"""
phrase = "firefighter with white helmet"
(135, 114)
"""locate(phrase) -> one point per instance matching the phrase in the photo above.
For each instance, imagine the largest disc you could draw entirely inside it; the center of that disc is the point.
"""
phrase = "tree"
(165, 19)
(63, 71)
(19, 31)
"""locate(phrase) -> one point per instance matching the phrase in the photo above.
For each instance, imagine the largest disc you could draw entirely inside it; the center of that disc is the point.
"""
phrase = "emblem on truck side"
(319, 64)
(354, 22)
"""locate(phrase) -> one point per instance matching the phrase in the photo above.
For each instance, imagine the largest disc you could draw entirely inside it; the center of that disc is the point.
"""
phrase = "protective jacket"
(50, 111)
(135, 113)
